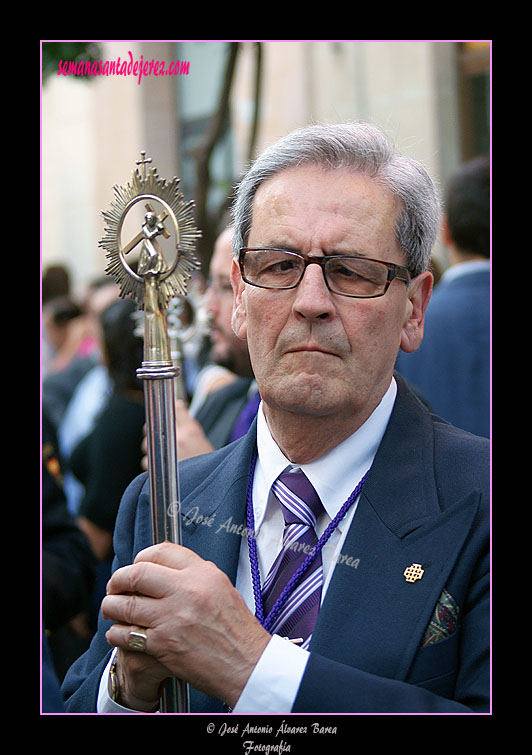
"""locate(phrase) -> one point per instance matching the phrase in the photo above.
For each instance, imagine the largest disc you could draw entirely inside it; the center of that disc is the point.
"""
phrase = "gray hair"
(363, 148)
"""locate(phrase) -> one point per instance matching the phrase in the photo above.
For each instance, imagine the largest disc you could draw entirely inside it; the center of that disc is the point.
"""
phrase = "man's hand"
(198, 627)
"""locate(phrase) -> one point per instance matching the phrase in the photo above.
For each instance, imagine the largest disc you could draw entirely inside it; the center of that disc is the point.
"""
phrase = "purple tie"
(301, 508)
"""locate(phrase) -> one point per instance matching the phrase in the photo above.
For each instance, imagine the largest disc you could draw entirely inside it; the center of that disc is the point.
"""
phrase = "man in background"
(225, 413)
(451, 368)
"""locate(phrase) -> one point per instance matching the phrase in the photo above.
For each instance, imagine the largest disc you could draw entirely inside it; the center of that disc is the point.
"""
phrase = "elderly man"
(336, 557)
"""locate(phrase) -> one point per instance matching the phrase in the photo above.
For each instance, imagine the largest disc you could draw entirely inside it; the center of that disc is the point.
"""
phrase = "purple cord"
(255, 573)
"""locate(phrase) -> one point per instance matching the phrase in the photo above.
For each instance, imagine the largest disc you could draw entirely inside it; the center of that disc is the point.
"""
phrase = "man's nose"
(209, 301)
(313, 299)
(211, 298)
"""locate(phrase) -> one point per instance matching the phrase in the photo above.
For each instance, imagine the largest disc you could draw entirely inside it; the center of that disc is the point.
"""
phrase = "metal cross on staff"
(143, 162)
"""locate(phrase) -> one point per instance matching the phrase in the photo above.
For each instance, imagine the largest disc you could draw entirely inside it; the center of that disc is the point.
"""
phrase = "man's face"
(227, 350)
(314, 352)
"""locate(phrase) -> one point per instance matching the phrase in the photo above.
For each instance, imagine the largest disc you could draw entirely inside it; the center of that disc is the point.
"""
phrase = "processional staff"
(153, 285)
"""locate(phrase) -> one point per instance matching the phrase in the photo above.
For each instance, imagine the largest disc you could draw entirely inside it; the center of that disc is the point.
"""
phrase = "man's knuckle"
(130, 609)
(138, 573)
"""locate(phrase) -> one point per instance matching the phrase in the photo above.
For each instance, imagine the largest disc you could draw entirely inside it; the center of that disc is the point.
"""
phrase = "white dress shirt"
(274, 682)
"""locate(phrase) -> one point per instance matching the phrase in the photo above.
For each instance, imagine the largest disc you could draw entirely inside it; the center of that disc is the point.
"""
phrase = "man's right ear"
(238, 320)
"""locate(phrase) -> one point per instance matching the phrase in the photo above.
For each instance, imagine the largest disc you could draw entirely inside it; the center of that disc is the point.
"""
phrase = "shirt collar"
(336, 474)
(465, 268)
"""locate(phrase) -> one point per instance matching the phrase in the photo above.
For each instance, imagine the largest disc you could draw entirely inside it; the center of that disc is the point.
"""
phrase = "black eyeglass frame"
(394, 270)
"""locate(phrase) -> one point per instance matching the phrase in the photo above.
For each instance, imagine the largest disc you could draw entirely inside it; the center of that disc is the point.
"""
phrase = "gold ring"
(137, 641)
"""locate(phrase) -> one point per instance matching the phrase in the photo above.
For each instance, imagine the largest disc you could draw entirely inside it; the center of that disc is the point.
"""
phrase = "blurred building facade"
(431, 97)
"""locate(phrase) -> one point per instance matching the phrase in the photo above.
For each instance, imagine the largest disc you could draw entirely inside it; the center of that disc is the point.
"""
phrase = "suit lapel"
(214, 518)
(372, 617)
(214, 512)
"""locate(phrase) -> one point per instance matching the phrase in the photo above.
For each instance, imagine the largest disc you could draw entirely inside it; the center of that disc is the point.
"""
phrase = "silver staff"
(153, 285)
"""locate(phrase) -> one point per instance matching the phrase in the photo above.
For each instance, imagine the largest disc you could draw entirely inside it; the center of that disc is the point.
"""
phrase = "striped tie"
(301, 508)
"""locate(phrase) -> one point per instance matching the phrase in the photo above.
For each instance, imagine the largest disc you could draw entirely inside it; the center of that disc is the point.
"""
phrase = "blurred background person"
(452, 366)
(107, 459)
(221, 367)
(61, 318)
(226, 400)
(72, 328)
(90, 393)
(55, 285)
(68, 566)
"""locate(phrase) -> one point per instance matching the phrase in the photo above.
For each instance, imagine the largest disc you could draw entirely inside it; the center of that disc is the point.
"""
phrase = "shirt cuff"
(274, 682)
(105, 704)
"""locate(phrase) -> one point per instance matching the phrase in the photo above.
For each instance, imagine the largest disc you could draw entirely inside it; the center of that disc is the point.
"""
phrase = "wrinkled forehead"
(309, 208)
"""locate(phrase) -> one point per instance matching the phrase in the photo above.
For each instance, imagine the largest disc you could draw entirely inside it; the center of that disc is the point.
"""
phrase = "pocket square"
(443, 622)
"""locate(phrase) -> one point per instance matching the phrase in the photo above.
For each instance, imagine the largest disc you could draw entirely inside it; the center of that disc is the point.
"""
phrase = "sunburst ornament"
(170, 279)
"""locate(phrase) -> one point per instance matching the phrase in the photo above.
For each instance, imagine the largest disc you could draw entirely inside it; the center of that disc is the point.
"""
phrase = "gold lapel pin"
(413, 573)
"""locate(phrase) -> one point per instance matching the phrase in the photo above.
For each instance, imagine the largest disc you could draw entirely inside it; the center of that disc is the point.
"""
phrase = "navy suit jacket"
(425, 501)
(451, 368)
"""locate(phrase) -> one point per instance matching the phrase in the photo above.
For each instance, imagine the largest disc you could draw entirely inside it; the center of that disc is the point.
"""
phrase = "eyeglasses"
(358, 277)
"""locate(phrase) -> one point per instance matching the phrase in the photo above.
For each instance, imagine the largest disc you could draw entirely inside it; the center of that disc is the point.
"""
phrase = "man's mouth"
(311, 348)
